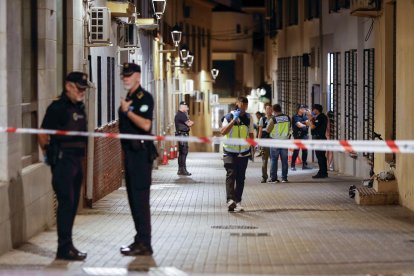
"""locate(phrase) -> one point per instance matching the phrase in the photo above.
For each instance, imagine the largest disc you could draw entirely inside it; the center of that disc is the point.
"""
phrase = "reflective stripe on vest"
(237, 131)
(281, 129)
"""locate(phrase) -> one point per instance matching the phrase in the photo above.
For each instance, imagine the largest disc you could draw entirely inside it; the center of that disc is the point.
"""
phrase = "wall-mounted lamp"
(184, 53)
(214, 73)
(176, 35)
(159, 8)
(190, 59)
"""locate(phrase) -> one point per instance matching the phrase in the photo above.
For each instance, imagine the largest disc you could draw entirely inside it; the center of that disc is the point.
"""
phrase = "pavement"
(305, 227)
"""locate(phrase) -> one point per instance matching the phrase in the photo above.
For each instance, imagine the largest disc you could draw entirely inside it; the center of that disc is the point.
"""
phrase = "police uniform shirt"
(263, 122)
(297, 131)
(180, 122)
(321, 122)
(63, 114)
(143, 106)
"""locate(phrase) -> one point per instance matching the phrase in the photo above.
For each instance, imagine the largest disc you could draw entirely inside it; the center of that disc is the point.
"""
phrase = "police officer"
(263, 134)
(279, 128)
(182, 128)
(135, 117)
(300, 128)
(236, 124)
(318, 125)
(65, 154)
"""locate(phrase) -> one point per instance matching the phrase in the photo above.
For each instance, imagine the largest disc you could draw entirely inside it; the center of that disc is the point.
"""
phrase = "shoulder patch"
(140, 95)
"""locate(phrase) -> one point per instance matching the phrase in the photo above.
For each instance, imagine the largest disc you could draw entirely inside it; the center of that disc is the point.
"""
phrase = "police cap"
(317, 107)
(130, 68)
(80, 79)
(183, 103)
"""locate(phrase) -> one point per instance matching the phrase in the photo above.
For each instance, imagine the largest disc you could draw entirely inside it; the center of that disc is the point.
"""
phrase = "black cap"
(183, 103)
(80, 79)
(317, 107)
(130, 68)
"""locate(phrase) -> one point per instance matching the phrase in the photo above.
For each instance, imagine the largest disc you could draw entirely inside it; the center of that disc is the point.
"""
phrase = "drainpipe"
(90, 109)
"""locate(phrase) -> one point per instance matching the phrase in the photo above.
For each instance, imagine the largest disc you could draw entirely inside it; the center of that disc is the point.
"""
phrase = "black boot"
(186, 172)
(181, 171)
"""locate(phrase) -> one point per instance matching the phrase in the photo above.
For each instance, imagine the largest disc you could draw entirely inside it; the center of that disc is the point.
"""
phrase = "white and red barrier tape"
(401, 146)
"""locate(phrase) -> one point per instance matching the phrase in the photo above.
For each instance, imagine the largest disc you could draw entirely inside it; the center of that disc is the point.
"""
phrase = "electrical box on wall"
(131, 38)
(99, 25)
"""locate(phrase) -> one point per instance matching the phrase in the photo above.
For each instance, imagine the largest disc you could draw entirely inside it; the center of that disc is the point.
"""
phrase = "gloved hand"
(236, 114)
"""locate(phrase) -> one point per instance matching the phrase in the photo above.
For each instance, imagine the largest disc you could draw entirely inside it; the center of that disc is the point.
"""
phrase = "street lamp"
(184, 53)
(159, 7)
(214, 73)
(176, 35)
(190, 59)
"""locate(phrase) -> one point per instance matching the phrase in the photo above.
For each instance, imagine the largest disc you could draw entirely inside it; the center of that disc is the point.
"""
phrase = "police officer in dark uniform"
(65, 154)
(318, 126)
(135, 117)
(182, 128)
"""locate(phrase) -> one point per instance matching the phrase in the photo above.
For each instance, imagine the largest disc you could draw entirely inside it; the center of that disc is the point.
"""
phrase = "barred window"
(283, 83)
(351, 95)
(299, 85)
(334, 96)
(368, 99)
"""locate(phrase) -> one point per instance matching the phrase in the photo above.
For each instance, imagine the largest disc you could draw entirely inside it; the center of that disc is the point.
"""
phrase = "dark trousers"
(295, 156)
(66, 181)
(265, 159)
(236, 174)
(323, 167)
(138, 172)
(182, 154)
(296, 153)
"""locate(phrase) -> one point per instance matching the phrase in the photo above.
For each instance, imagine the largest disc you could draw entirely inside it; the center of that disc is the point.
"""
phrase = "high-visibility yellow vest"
(281, 128)
(239, 130)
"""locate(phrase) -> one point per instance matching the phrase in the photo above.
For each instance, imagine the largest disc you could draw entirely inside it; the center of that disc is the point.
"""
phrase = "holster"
(52, 154)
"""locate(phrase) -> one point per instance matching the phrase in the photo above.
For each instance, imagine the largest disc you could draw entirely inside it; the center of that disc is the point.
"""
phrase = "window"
(209, 59)
(193, 47)
(113, 89)
(334, 97)
(312, 9)
(351, 95)
(292, 12)
(199, 54)
(108, 89)
(279, 15)
(368, 98)
(298, 85)
(29, 103)
(187, 11)
(336, 5)
(283, 84)
(99, 92)
(203, 37)
(238, 28)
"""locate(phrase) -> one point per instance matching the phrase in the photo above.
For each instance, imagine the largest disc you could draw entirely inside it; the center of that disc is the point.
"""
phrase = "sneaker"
(293, 169)
(274, 181)
(305, 167)
(285, 180)
(239, 207)
(264, 180)
(231, 204)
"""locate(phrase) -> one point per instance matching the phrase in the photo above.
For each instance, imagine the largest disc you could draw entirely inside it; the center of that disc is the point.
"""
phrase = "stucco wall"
(405, 97)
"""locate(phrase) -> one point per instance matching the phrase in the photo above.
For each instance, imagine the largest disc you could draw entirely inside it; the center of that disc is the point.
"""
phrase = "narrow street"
(302, 227)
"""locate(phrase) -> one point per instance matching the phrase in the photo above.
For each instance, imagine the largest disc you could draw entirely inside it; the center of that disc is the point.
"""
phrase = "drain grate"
(250, 234)
(234, 227)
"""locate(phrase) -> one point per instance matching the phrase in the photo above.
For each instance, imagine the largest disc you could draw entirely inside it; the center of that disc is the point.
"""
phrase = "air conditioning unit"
(365, 8)
(131, 37)
(189, 87)
(199, 96)
(176, 86)
(214, 99)
(99, 25)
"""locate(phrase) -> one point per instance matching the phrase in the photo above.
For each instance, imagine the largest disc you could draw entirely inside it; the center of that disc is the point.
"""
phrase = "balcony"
(366, 8)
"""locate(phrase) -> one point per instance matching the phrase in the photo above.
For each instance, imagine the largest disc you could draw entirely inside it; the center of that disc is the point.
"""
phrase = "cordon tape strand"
(372, 146)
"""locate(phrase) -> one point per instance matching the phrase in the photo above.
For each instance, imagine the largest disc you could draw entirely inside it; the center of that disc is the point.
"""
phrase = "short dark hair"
(317, 107)
(267, 104)
(259, 113)
(277, 108)
(242, 99)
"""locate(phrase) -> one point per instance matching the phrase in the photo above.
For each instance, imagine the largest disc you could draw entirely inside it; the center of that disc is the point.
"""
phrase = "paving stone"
(302, 227)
